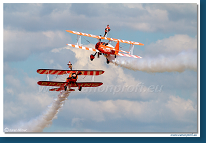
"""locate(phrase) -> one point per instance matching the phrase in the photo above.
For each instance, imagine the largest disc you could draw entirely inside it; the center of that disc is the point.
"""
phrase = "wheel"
(65, 88)
(98, 55)
(91, 57)
(107, 61)
(115, 56)
(80, 88)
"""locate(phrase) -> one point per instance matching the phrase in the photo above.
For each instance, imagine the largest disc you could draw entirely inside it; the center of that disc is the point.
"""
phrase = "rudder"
(117, 48)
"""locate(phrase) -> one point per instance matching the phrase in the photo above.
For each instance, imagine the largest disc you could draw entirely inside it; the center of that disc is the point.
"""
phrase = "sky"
(159, 94)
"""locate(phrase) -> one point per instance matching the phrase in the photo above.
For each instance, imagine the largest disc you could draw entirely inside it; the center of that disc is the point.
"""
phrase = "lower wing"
(128, 55)
(61, 84)
(82, 47)
(87, 84)
(51, 83)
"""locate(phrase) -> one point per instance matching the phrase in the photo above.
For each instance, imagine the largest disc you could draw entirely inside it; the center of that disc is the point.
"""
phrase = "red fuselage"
(103, 48)
(72, 78)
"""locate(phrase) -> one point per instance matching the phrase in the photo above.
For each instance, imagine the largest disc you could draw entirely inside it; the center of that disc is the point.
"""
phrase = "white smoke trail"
(44, 120)
(178, 63)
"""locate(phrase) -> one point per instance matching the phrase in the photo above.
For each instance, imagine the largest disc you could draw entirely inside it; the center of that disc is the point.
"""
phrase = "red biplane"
(71, 81)
(105, 48)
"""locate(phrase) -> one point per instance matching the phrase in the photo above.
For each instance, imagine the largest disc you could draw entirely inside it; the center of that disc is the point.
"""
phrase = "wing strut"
(131, 49)
(47, 76)
(79, 40)
(93, 78)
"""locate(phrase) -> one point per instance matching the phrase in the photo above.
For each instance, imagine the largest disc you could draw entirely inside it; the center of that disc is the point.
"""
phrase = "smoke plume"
(178, 63)
(44, 120)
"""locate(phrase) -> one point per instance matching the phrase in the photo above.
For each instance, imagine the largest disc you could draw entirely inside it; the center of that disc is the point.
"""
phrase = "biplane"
(105, 48)
(71, 81)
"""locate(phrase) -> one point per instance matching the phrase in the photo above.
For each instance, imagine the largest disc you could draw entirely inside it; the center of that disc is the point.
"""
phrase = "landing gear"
(65, 88)
(98, 55)
(91, 57)
(107, 61)
(79, 88)
(115, 56)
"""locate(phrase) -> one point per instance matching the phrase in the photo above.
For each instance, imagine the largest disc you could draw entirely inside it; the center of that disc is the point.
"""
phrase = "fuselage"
(105, 48)
(72, 78)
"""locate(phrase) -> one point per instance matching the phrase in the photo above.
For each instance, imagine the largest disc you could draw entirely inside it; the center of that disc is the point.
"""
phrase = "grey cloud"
(177, 11)
(18, 45)
(147, 17)
(150, 105)
(154, 117)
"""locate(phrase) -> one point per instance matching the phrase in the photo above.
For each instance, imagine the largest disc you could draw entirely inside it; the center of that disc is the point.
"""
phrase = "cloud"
(148, 112)
(19, 45)
(181, 107)
(172, 45)
(139, 17)
(99, 108)
(39, 29)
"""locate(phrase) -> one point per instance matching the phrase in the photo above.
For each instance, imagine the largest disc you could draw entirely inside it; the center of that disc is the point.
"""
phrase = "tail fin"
(117, 48)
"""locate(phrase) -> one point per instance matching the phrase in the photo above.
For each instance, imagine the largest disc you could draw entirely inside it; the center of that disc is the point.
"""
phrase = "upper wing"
(61, 72)
(128, 55)
(82, 47)
(107, 38)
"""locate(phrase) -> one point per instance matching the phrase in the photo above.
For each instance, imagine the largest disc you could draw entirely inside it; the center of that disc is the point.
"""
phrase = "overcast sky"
(128, 101)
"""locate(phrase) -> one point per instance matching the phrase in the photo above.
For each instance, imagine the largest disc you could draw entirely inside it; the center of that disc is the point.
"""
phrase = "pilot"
(107, 29)
(72, 76)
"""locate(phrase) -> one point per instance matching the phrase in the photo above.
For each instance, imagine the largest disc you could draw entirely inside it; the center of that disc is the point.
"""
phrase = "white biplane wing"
(82, 47)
